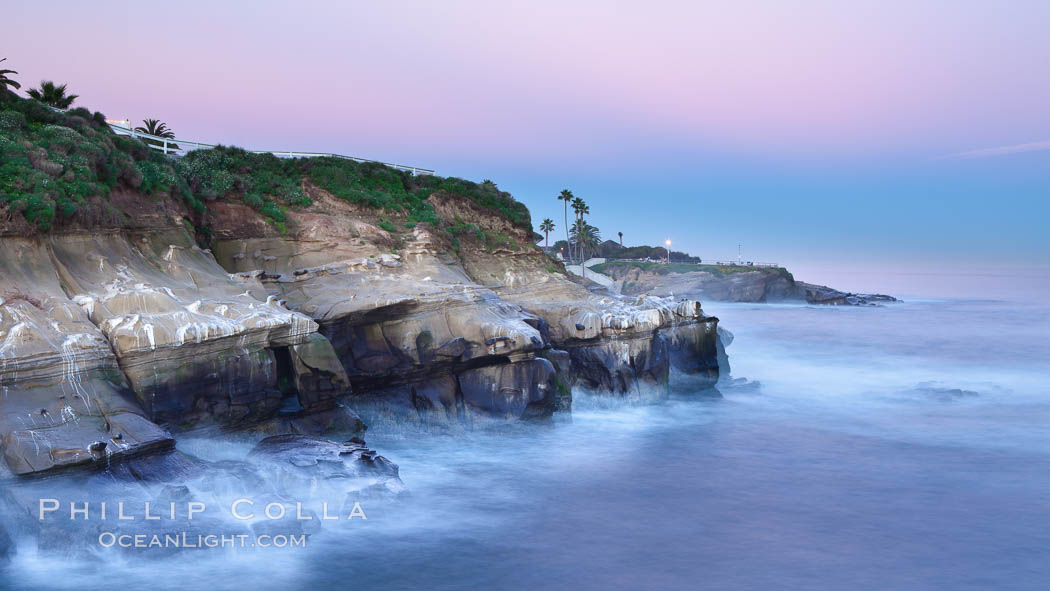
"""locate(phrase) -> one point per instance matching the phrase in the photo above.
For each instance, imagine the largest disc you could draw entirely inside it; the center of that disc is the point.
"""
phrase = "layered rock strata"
(448, 334)
(108, 340)
(63, 399)
(105, 337)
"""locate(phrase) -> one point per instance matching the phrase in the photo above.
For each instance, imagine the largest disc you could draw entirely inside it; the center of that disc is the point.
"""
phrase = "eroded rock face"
(104, 336)
(63, 398)
(618, 344)
(413, 332)
(447, 341)
(195, 344)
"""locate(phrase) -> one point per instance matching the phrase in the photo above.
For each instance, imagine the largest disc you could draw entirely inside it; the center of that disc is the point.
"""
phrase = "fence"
(702, 262)
(177, 147)
(180, 147)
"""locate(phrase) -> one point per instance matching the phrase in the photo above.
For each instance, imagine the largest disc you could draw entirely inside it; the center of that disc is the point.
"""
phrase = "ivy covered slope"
(53, 164)
(55, 168)
(272, 185)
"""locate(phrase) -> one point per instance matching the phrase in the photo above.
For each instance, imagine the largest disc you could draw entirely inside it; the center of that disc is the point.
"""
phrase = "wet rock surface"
(63, 398)
(110, 342)
(351, 465)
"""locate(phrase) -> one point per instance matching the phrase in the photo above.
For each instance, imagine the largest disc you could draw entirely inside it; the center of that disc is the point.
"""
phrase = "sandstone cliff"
(727, 284)
(242, 292)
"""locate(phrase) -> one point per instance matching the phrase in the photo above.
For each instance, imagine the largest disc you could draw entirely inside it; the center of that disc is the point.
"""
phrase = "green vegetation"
(155, 127)
(5, 81)
(494, 239)
(158, 128)
(586, 237)
(387, 226)
(662, 269)
(485, 194)
(547, 226)
(612, 250)
(51, 163)
(53, 95)
(266, 183)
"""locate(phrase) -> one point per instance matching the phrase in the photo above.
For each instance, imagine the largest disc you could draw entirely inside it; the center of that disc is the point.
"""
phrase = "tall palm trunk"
(568, 245)
(583, 268)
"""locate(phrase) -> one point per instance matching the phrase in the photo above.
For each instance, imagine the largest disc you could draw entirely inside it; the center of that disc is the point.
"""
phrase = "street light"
(668, 244)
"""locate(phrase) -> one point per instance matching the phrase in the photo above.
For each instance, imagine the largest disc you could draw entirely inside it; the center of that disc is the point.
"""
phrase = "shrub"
(71, 156)
(75, 155)
(12, 120)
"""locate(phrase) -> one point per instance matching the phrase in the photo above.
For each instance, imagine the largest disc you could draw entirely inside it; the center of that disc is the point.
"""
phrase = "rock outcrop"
(63, 398)
(111, 340)
(105, 337)
(733, 284)
(447, 337)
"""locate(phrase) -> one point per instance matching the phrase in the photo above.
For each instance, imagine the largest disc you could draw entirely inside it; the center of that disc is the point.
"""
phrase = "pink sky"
(805, 102)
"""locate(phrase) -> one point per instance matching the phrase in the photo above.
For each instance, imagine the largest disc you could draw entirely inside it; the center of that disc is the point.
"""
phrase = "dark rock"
(938, 392)
(826, 296)
(453, 349)
(322, 456)
(520, 390)
(7, 545)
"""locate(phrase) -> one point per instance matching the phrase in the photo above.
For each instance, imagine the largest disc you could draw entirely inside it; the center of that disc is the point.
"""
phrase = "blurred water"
(899, 447)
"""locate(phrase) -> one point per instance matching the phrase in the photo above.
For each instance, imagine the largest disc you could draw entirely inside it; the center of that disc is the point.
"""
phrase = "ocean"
(903, 447)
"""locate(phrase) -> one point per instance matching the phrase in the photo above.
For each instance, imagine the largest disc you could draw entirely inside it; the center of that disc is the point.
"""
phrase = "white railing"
(703, 262)
(603, 280)
(179, 147)
(742, 264)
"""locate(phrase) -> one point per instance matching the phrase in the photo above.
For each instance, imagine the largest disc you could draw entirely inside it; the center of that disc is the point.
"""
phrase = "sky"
(825, 136)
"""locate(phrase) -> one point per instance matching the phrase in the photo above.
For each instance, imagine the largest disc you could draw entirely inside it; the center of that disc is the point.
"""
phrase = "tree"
(584, 209)
(620, 234)
(587, 237)
(160, 129)
(547, 226)
(156, 127)
(53, 95)
(579, 207)
(566, 196)
(5, 81)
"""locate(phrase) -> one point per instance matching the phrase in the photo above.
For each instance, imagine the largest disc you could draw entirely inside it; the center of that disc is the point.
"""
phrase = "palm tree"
(53, 95)
(156, 127)
(586, 236)
(566, 196)
(5, 81)
(590, 239)
(547, 226)
(160, 129)
(579, 207)
(620, 234)
(577, 204)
